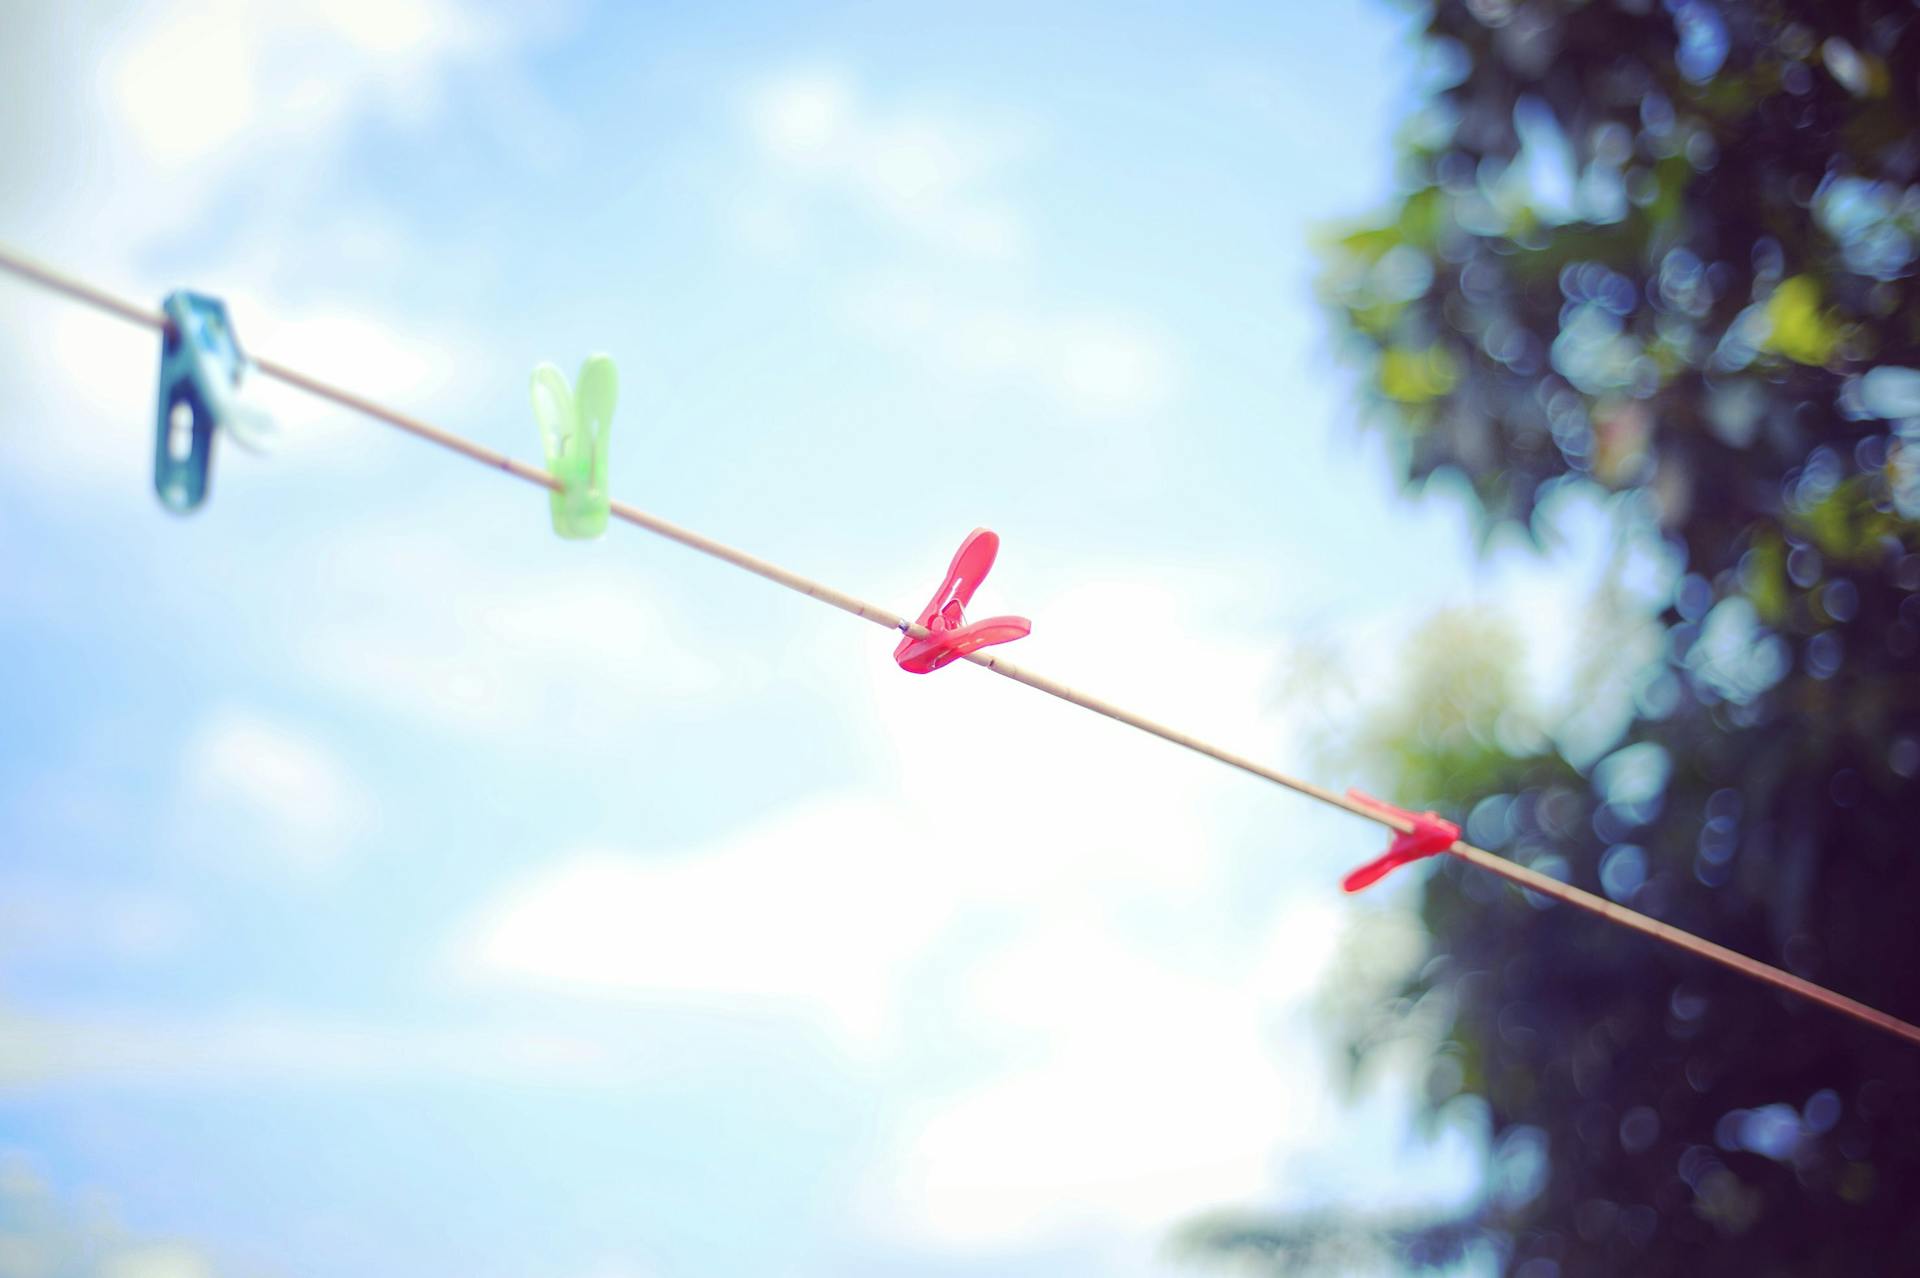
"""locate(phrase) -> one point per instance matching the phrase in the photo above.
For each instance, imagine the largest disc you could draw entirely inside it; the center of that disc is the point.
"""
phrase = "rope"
(1531, 880)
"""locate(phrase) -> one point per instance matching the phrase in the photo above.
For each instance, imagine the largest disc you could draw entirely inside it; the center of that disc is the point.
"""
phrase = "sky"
(390, 887)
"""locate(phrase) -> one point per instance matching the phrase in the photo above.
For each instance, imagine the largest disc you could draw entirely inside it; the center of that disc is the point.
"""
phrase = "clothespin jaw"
(1430, 835)
(953, 636)
(201, 372)
(576, 425)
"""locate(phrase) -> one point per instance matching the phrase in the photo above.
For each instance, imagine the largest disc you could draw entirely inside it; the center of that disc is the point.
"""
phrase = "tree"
(1667, 250)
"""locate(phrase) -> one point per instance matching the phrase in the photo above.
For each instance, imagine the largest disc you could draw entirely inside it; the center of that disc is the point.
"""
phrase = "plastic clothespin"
(1430, 835)
(953, 636)
(575, 425)
(201, 373)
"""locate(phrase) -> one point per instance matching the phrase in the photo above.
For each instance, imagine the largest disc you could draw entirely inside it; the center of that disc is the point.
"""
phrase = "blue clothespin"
(201, 369)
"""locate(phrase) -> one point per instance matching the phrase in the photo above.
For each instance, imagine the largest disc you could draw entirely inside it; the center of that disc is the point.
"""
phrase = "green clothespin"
(574, 426)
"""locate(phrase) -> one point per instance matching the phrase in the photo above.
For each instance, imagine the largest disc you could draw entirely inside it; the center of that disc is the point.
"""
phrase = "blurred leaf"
(1413, 377)
(1797, 327)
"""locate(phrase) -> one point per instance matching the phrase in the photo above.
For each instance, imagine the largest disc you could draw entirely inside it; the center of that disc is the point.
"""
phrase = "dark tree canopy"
(1668, 249)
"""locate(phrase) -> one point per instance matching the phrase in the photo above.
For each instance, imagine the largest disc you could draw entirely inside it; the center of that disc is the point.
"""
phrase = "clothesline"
(1392, 818)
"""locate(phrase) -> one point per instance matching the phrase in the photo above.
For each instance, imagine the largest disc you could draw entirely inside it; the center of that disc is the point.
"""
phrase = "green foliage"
(1668, 250)
(1333, 1244)
(1456, 710)
(1796, 326)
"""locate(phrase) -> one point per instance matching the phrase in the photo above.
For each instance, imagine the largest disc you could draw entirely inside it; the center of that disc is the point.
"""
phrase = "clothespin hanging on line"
(953, 636)
(1430, 836)
(575, 426)
(201, 373)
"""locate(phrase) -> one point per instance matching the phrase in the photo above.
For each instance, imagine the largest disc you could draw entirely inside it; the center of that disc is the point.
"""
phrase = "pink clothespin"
(1430, 835)
(953, 636)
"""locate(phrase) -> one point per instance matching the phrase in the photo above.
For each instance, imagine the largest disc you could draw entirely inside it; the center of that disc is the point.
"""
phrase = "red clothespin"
(1430, 835)
(953, 636)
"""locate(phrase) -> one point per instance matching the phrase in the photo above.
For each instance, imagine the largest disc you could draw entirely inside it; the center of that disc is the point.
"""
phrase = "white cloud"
(1108, 365)
(808, 915)
(1300, 944)
(364, 350)
(157, 1260)
(937, 178)
(925, 173)
(802, 118)
(435, 629)
(52, 919)
(146, 117)
(95, 413)
(267, 1046)
(284, 794)
(1159, 1093)
(1099, 365)
(203, 85)
(186, 85)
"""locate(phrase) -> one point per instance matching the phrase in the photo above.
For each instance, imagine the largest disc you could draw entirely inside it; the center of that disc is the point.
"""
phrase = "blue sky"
(392, 888)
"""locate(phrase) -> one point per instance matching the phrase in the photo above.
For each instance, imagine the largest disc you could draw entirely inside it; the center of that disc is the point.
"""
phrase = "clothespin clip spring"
(952, 635)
